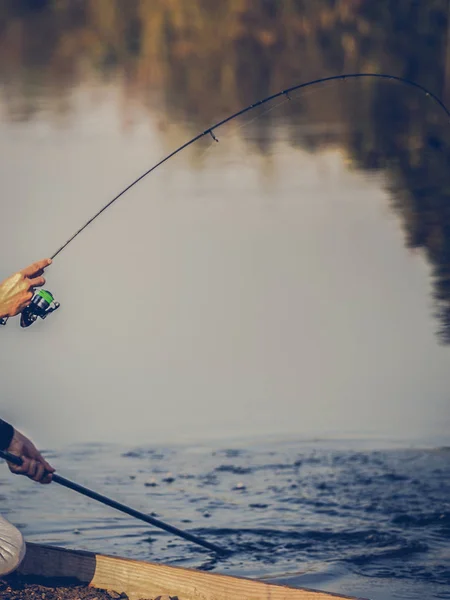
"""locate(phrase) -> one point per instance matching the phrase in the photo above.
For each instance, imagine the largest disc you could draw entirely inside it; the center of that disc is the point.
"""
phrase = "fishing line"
(286, 99)
(242, 126)
(235, 130)
(211, 131)
(239, 128)
(214, 139)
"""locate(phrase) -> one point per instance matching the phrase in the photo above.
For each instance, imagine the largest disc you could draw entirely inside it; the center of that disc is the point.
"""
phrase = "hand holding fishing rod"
(18, 295)
(16, 465)
(25, 457)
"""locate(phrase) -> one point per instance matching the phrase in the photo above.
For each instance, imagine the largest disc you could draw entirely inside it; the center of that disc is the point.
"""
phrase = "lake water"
(286, 284)
(363, 518)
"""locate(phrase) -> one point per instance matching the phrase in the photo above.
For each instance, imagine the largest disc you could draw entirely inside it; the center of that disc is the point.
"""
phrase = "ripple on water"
(382, 515)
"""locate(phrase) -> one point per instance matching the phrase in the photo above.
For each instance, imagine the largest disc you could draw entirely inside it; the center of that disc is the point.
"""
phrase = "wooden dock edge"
(143, 580)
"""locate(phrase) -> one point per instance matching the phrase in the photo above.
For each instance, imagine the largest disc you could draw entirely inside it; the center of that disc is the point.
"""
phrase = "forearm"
(6, 434)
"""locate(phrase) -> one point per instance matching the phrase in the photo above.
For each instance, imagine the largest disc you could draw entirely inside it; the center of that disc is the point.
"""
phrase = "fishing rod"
(16, 460)
(43, 303)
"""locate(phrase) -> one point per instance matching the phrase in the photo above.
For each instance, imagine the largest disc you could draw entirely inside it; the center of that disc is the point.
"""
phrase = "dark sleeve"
(6, 434)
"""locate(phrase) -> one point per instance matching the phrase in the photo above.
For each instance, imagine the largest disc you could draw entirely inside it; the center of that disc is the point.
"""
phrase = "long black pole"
(16, 460)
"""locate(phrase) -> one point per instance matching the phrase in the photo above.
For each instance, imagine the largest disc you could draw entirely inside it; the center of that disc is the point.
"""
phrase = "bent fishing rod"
(16, 460)
(43, 303)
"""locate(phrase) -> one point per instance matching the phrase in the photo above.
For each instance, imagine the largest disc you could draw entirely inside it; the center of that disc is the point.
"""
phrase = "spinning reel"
(41, 305)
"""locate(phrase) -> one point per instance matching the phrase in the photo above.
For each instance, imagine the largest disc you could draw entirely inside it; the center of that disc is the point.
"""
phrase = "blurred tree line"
(204, 59)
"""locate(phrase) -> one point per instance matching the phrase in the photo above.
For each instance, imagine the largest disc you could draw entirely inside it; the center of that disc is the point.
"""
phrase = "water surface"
(288, 281)
(365, 518)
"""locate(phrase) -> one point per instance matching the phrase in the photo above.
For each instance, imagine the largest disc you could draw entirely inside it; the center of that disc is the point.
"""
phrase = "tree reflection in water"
(198, 61)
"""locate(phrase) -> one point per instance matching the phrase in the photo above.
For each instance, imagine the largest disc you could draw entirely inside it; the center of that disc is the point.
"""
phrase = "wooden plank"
(142, 580)
(58, 563)
(188, 584)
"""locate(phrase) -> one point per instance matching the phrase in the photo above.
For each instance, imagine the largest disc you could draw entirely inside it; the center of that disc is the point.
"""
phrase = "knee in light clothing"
(12, 547)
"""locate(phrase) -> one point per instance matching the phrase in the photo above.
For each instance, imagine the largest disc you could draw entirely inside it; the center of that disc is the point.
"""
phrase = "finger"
(36, 282)
(40, 472)
(22, 469)
(32, 468)
(47, 479)
(14, 468)
(47, 466)
(38, 456)
(40, 265)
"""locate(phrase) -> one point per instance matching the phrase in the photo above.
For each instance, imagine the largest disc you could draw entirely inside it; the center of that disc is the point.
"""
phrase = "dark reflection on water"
(198, 61)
